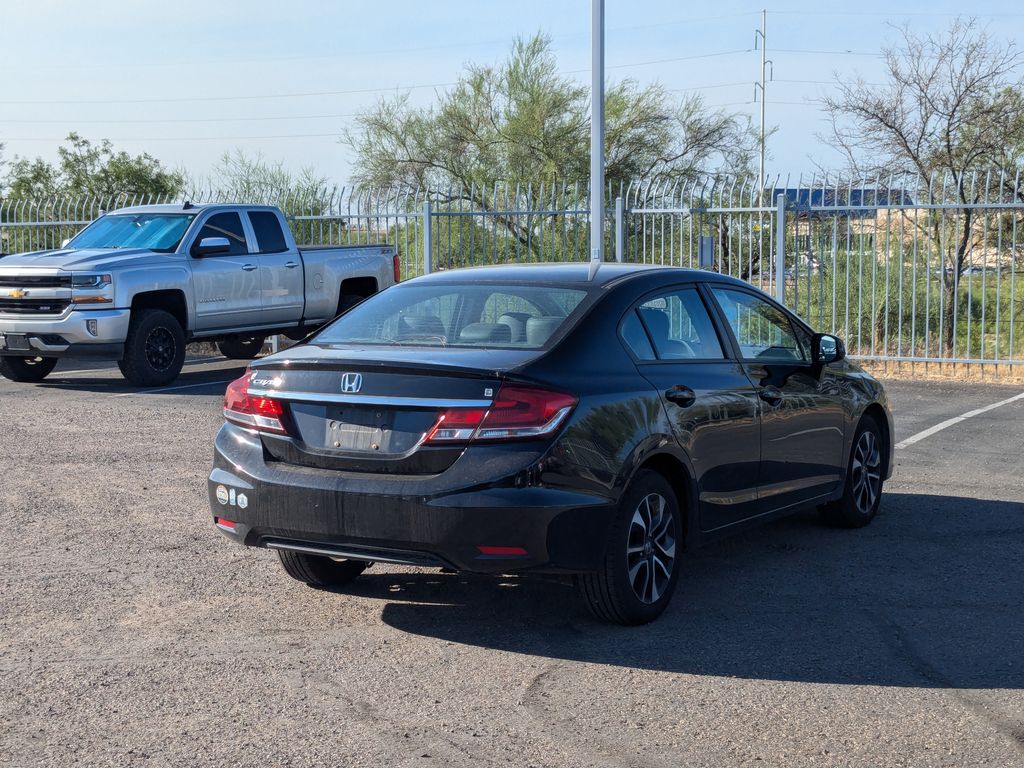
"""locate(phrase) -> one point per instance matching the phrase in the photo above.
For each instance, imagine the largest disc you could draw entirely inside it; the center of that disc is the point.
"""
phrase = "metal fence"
(903, 268)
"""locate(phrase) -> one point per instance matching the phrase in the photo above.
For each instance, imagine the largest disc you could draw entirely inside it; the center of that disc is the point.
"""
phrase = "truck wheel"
(154, 350)
(640, 568)
(28, 369)
(241, 347)
(322, 572)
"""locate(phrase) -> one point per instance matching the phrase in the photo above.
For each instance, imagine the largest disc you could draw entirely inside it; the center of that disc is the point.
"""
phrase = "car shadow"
(206, 381)
(929, 595)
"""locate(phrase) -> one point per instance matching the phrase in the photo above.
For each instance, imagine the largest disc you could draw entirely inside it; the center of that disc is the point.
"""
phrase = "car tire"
(320, 572)
(26, 369)
(154, 351)
(640, 567)
(241, 347)
(862, 492)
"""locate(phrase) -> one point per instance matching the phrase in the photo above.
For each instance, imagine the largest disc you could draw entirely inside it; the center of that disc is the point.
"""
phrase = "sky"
(188, 80)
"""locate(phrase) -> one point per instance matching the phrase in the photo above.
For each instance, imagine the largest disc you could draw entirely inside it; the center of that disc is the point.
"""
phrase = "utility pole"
(597, 131)
(760, 40)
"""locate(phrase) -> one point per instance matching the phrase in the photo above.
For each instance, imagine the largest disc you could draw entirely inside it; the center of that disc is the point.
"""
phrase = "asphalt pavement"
(132, 633)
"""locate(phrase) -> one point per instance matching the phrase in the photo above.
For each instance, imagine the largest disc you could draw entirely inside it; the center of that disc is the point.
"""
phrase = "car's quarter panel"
(327, 267)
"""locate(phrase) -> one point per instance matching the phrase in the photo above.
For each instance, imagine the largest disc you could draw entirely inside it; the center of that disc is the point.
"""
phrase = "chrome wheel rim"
(160, 348)
(650, 549)
(866, 472)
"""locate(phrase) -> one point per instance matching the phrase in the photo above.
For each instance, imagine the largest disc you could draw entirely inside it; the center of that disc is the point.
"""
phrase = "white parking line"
(172, 389)
(955, 420)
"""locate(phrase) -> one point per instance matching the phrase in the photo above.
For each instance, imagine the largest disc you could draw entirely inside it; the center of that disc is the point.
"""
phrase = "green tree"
(521, 124)
(84, 168)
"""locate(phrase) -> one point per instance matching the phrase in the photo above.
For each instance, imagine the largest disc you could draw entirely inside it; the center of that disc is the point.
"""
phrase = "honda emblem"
(351, 383)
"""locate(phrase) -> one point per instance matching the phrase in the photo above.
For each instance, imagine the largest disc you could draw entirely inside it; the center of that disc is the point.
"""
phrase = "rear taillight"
(261, 413)
(397, 265)
(518, 412)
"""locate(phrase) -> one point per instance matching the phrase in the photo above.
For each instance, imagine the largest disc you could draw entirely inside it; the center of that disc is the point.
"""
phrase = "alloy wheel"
(160, 348)
(650, 548)
(866, 472)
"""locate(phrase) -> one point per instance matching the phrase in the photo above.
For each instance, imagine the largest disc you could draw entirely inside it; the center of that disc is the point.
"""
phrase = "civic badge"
(18, 293)
(351, 383)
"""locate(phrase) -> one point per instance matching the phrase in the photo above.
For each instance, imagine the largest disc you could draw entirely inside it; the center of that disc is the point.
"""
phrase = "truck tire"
(27, 369)
(241, 347)
(154, 350)
(318, 571)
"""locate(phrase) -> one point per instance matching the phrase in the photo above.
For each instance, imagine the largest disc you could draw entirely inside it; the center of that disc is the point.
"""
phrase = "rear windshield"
(459, 315)
(154, 231)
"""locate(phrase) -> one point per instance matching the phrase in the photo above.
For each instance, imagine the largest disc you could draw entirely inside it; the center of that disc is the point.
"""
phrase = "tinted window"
(269, 236)
(762, 330)
(227, 225)
(633, 333)
(680, 327)
(446, 315)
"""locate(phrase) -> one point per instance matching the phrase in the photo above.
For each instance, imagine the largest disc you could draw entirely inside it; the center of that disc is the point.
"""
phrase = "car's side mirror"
(210, 246)
(827, 348)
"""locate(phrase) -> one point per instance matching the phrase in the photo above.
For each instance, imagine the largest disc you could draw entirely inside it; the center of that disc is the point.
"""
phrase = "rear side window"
(679, 327)
(269, 236)
(229, 225)
(459, 315)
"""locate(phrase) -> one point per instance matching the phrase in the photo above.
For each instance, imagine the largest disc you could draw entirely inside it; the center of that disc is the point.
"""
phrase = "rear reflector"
(519, 412)
(226, 525)
(261, 413)
(503, 551)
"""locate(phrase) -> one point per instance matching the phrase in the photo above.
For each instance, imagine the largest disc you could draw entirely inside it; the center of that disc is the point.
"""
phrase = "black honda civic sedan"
(562, 418)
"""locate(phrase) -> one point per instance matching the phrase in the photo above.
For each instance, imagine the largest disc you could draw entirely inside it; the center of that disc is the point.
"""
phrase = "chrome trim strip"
(409, 402)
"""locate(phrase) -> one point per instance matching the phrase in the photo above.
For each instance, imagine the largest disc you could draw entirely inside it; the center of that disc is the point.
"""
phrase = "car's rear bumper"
(448, 520)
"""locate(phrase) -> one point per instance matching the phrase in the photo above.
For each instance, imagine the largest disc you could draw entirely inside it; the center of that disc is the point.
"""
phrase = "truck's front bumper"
(69, 335)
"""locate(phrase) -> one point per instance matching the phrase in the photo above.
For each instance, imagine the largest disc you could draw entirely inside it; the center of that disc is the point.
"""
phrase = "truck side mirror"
(827, 348)
(210, 246)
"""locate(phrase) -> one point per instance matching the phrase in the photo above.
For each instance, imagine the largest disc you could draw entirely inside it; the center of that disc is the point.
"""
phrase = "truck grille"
(33, 306)
(35, 281)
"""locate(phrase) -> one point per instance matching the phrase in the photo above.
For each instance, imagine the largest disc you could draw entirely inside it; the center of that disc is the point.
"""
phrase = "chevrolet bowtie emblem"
(18, 293)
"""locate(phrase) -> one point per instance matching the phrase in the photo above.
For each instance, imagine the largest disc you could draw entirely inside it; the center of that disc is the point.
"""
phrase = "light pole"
(597, 131)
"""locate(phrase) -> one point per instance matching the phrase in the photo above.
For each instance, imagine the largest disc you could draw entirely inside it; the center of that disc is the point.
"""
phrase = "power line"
(192, 138)
(178, 120)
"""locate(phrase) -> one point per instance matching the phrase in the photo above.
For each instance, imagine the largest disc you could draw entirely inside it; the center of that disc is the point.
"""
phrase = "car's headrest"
(516, 321)
(657, 322)
(482, 333)
(539, 329)
(420, 325)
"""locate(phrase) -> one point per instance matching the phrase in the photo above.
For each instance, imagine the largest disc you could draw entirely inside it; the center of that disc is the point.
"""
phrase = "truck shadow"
(930, 595)
(208, 378)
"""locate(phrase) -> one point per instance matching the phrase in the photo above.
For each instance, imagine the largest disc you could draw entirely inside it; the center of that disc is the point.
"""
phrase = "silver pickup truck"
(139, 283)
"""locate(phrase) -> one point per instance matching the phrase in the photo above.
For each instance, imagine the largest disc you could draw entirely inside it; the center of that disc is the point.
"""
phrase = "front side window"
(459, 315)
(678, 326)
(153, 231)
(229, 225)
(762, 330)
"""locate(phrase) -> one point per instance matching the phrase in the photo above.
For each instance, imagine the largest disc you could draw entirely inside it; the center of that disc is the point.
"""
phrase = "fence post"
(620, 230)
(426, 237)
(780, 248)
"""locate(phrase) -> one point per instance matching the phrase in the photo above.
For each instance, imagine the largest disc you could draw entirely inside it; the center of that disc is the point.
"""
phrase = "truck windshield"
(153, 231)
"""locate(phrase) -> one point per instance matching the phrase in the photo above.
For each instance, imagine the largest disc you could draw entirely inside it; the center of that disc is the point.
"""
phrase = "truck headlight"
(89, 284)
(90, 281)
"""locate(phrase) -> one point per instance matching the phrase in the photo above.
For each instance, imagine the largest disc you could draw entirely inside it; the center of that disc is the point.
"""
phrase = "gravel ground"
(131, 633)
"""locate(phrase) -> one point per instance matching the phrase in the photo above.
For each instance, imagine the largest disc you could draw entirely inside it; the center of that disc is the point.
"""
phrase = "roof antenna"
(594, 266)
(187, 206)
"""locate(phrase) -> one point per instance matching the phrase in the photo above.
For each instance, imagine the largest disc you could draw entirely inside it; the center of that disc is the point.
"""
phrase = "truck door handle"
(771, 395)
(249, 267)
(290, 265)
(681, 395)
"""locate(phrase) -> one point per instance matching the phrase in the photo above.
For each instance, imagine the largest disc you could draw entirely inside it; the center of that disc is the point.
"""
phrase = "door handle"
(681, 395)
(290, 265)
(771, 395)
(249, 267)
